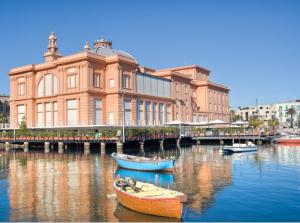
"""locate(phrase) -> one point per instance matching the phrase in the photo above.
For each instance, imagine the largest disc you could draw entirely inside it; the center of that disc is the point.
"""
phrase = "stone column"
(119, 147)
(102, 148)
(60, 147)
(142, 147)
(47, 147)
(161, 145)
(87, 147)
(7, 146)
(26, 146)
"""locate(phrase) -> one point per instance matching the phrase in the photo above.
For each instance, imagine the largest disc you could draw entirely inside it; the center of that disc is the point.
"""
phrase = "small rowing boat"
(143, 163)
(150, 199)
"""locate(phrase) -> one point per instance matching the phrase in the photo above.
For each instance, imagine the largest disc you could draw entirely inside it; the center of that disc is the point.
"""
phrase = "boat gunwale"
(115, 155)
(150, 198)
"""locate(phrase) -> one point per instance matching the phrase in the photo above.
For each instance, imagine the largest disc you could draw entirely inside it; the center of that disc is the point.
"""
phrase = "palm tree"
(291, 111)
(273, 123)
(255, 122)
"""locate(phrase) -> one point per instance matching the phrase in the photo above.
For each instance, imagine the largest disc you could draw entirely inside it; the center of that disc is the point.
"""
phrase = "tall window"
(139, 112)
(111, 83)
(98, 111)
(21, 113)
(21, 86)
(48, 85)
(126, 81)
(72, 112)
(168, 113)
(186, 89)
(154, 120)
(97, 80)
(111, 120)
(72, 80)
(48, 114)
(55, 114)
(127, 112)
(147, 113)
(176, 87)
(40, 115)
(160, 113)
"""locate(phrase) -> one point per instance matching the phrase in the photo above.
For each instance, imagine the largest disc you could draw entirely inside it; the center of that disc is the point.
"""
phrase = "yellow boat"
(150, 199)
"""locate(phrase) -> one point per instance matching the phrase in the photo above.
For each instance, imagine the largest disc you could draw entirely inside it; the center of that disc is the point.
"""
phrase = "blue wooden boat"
(143, 163)
(163, 179)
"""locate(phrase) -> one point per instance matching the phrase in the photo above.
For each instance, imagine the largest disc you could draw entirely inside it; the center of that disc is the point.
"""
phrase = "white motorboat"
(240, 147)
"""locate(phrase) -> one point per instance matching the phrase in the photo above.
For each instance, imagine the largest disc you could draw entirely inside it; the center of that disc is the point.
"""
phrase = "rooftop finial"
(86, 46)
(52, 52)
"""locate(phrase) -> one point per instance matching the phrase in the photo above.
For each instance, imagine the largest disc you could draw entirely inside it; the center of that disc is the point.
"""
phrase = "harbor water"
(256, 186)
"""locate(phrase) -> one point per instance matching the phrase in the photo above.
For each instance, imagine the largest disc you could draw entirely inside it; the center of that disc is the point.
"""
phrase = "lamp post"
(123, 111)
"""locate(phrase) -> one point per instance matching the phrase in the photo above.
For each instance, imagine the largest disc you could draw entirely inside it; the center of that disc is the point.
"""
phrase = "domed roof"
(104, 48)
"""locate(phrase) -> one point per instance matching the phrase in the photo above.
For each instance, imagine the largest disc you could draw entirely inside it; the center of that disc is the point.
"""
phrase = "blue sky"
(251, 46)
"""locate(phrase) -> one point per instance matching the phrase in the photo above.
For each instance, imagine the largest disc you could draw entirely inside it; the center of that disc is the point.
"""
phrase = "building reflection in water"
(54, 187)
(206, 172)
(60, 189)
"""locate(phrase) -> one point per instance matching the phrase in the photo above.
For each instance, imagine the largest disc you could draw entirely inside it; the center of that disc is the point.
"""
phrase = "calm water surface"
(260, 186)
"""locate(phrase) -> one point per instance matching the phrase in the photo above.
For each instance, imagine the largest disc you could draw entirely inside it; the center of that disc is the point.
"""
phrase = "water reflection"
(72, 187)
(158, 178)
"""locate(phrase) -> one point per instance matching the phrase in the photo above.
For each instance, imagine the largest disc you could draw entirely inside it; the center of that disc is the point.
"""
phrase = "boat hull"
(166, 207)
(289, 141)
(239, 149)
(157, 165)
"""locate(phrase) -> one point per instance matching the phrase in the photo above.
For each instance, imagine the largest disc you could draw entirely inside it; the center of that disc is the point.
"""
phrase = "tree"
(291, 111)
(255, 122)
(273, 123)
(3, 118)
(23, 127)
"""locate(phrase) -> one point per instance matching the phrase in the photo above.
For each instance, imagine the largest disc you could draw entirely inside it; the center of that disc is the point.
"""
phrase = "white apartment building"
(264, 112)
(282, 112)
(278, 110)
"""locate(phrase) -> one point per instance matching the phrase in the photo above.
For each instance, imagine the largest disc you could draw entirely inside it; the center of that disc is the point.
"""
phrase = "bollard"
(47, 147)
(102, 148)
(178, 142)
(119, 147)
(60, 147)
(87, 147)
(26, 146)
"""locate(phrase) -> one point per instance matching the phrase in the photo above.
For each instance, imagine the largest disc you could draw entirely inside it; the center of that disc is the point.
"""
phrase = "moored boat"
(240, 147)
(289, 140)
(143, 163)
(150, 199)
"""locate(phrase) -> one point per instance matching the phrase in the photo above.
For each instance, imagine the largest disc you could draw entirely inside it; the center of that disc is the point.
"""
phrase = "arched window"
(48, 85)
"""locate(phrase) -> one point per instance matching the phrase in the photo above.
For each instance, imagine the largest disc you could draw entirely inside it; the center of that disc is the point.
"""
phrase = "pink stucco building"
(105, 86)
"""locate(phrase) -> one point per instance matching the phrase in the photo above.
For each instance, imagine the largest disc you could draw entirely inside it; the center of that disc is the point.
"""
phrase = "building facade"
(267, 112)
(282, 112)
(104, 86)
(264, 112)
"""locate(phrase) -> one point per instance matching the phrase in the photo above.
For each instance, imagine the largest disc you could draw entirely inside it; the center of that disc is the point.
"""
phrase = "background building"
(104, 86)
(267, 112)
